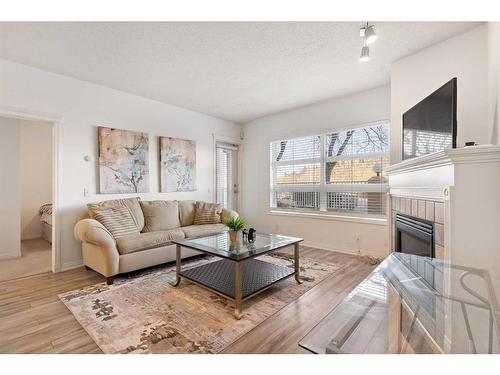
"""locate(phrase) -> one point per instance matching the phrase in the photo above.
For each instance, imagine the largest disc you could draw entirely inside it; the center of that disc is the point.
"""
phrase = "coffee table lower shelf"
(219, 276)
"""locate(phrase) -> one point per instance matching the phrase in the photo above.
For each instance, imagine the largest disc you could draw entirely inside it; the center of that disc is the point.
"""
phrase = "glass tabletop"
(220, 245)
(413, 304)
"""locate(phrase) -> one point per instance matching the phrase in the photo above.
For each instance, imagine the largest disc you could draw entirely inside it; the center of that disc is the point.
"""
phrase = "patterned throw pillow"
(131, 203)
(207, 213)
(117, 220)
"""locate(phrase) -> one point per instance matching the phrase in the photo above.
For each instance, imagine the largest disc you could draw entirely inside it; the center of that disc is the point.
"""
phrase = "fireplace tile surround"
(425, 209)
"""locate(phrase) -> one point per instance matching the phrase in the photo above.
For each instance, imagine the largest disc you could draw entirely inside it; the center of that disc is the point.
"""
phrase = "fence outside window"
(338, 172)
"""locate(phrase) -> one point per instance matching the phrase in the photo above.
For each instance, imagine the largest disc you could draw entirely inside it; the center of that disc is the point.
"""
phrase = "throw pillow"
(117, 220)
(131, 203)
(186, 212)
(160, 215)
(207, 213)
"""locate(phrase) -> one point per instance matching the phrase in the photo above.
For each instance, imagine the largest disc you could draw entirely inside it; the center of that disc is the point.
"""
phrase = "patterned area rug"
(143, 313)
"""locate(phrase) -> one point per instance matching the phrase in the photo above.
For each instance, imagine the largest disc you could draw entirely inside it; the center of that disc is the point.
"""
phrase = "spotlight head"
(368, 33)
(365, 54)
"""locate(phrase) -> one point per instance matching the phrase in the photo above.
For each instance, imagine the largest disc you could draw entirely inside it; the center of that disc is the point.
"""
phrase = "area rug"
(145, 314)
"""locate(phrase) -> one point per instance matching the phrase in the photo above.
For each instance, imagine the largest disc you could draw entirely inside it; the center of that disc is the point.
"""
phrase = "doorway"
(227, 175)
(27, 218)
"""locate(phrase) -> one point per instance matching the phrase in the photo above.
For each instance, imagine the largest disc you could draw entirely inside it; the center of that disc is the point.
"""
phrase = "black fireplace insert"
(414, 236)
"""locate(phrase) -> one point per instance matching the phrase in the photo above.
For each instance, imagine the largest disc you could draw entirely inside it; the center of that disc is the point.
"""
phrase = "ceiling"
(237, 71)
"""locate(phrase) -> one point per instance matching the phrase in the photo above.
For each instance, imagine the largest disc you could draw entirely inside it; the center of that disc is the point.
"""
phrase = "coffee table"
(238, 275)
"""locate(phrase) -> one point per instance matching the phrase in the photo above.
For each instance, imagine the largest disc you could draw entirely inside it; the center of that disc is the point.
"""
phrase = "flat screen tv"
(431, 125)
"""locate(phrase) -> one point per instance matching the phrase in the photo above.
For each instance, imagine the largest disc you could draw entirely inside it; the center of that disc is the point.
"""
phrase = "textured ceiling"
(237, 71)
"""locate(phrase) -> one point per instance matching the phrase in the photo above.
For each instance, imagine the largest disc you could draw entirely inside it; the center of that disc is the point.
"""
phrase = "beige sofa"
(109, 256)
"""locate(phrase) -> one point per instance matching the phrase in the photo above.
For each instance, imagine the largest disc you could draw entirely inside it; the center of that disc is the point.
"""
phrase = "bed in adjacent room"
(45, 212)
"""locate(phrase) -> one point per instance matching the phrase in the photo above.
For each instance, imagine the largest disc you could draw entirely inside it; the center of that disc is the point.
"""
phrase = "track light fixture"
(365, 54)
(367, 32)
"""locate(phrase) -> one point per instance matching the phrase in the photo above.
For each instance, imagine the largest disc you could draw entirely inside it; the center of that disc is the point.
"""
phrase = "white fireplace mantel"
(430, 176)
(472, 154)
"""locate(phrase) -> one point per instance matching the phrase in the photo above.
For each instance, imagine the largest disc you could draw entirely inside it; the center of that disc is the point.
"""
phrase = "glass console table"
(413, 304)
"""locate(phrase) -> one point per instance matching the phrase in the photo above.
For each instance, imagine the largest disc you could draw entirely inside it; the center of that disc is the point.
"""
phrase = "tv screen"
(431, 125)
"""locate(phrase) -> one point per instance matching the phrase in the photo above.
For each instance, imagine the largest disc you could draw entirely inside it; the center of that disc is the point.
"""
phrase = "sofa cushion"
(160, 215)
(207, 213)
(186, 212)
(193, 231)
(131, 203)
(117, 220)
(149, 240)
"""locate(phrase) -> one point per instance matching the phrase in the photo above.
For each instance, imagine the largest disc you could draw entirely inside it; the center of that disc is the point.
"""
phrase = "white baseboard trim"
(11, 255)
(28, 238)
(343, 251)
(66, 266)
(323, 247)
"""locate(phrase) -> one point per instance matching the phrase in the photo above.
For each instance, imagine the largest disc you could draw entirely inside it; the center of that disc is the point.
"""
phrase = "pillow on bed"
(117, 220)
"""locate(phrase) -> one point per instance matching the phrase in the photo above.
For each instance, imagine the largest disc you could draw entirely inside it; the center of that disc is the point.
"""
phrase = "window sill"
(331, 217)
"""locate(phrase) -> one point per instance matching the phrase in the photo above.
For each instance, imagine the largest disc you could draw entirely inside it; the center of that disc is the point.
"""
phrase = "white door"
(227, 175)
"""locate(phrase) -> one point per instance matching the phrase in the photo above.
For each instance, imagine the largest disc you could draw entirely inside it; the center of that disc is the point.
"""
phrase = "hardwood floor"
(33, 320)
(281, 332)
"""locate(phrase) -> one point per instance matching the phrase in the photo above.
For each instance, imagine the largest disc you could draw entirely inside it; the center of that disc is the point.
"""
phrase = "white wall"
(84, 106)
(10, 219)
(338, 235)
(414, 77)
(36, 174)
(494, 79)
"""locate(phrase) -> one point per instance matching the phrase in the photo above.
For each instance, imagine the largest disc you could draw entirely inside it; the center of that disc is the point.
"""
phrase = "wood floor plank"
(34, 320)
(281, 332)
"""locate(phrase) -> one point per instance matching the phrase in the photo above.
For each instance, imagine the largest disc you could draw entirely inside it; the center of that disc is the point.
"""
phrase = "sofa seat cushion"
(160, 215)
(149, 240)
(193, 231)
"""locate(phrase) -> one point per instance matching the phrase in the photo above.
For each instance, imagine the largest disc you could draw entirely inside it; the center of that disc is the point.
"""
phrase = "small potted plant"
(236, 225)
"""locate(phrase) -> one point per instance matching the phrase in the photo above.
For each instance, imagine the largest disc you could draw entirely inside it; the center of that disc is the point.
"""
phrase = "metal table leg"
(177, 265)
(237, 290)
(296, 263)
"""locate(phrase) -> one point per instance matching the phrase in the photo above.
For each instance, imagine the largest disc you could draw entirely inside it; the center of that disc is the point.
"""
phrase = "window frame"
(324, 188)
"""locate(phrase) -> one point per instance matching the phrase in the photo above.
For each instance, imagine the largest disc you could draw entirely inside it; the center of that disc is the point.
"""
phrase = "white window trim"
(330, 216)
(322, 186)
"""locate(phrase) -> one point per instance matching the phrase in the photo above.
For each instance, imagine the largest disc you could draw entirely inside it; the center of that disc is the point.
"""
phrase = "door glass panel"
(226, 179)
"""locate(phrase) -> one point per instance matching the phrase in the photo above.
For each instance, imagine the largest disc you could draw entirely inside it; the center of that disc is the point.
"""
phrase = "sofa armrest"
(99, 249)
(91, 231)
(227, 214)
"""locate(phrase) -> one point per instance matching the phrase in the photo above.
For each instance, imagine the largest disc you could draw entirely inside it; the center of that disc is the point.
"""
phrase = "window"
(338, 172)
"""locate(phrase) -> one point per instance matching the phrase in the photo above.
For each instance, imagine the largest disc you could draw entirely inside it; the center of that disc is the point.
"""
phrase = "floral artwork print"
(123, 161)
(177, 164)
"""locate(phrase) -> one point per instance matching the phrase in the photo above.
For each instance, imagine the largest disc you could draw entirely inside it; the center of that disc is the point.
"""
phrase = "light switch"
(85, 192)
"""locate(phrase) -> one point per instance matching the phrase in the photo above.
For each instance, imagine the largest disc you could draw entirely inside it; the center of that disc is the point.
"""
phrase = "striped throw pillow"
(207, 213)
(117, 220)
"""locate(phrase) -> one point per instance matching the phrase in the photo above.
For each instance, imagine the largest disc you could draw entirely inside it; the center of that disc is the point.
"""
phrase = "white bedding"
(46, 218)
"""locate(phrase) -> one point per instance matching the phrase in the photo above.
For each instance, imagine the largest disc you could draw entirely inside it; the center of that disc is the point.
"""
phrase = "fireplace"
(414, 236)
